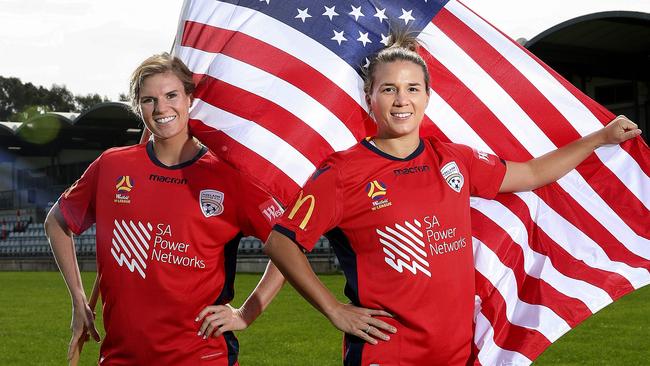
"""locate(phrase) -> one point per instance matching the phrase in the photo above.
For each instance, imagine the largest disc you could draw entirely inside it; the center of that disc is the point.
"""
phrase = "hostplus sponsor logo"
(164, 179)
(412, 170)
(377, 191)
(135, 245)
(123, 185)
(409, 245)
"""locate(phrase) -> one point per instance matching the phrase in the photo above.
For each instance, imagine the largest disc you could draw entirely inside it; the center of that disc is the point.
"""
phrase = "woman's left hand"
(218, 319)
(618, 130)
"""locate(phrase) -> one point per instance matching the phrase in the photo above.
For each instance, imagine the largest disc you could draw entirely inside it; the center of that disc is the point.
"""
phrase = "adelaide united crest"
(211, 202)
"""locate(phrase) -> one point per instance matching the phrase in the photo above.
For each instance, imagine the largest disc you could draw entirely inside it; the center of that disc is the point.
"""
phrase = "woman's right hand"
(360, 322)
(83, 323)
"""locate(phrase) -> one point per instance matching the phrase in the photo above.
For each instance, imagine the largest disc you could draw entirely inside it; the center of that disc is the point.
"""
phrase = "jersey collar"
(366, 142)
(154, 159)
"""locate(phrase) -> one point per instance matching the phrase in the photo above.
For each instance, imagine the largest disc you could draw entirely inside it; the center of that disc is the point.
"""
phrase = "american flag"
(279, 88)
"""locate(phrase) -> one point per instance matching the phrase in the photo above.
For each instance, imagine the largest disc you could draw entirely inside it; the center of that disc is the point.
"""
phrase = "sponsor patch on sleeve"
(271, 210)
(485, 157)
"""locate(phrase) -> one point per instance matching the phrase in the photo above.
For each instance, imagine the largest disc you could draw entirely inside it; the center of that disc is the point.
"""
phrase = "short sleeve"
(486, 171)
(260, 210)
(315, 210)
(77, 203)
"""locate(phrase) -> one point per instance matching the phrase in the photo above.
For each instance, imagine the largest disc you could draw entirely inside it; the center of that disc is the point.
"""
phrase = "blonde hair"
(158, 64)
(402, 46)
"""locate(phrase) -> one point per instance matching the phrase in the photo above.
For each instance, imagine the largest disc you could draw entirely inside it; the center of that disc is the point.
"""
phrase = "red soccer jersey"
(401, 231)
(167, 242)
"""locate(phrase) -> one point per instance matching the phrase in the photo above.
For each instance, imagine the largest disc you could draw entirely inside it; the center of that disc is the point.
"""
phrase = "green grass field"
(35, 311)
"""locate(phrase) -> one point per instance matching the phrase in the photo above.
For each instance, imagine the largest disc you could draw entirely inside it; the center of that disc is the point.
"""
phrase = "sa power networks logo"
(135, 245)
(376, 191)
(131, 245)
(405, 248)
(123, 185)
(452, 175)
(411, 244)
(211, 202)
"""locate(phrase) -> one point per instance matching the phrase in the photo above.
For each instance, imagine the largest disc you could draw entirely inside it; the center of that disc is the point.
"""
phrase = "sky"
(92, 46)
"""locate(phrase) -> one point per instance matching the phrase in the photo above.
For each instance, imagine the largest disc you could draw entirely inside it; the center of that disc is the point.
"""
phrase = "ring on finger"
(367, 329)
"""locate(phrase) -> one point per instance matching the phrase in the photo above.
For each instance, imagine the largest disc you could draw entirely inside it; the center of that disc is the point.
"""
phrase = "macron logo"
(131, 244)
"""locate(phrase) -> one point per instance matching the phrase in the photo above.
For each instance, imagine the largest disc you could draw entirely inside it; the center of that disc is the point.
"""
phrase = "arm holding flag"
(552, 166)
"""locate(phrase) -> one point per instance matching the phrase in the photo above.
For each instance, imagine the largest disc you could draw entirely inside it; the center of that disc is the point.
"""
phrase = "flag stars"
(381, 14)
(384, 40)
(338, 37)
(302, 14)
(366, 63)
(406, 16)
(330, 12)
(356, 13)
(363, 38)
(266, 1)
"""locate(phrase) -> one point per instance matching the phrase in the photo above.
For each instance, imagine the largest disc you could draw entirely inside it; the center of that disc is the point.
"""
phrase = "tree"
(20, 102)
(84, 102)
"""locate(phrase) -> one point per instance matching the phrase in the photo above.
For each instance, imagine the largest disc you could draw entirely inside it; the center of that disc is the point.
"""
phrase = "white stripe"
(278, 91)
(489, 352)
(263, 142)
(486, 89)
(527, 132)
(406, 240)
(452, 124)
(125, 238)
(134, 240)
(119, 240)
(142, 242)
(566, 103)
(404, 247)
(416, 230)
(393, 248)
(283, 37)
(577, 243)
(538, 265)
(131, 265)
(399, 264)
(537, 317)
(410, 234)
(628, 171)
(145, 231)
(115, 245)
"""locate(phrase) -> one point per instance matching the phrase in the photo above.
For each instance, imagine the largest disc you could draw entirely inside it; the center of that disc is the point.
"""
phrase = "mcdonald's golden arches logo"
(299, 202)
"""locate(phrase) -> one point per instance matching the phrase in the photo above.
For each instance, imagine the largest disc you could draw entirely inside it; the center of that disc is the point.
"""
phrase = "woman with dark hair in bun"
(396, 209)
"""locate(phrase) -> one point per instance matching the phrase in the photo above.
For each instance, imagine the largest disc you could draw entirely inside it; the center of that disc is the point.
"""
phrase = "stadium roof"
(613, 44)
(98, 128)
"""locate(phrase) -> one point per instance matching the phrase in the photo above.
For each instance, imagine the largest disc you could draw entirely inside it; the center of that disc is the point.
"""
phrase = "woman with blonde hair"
(169, 216)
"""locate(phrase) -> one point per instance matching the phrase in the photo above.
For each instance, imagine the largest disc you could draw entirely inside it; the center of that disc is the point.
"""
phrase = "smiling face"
(165, 106)
(398, 99)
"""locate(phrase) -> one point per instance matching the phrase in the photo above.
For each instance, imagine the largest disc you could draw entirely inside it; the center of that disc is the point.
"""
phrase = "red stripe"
(636, 147)
(531, 290)
(270, 177)
(429, 128)
(612, 283)
(267, 114)
(283, 65)
(505, 145)
(528, 342)
(546, 117)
